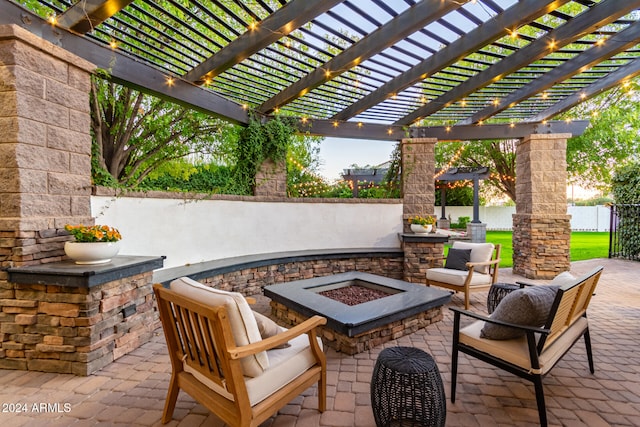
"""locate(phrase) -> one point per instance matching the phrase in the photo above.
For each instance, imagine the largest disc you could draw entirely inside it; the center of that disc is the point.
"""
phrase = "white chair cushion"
(457, 277)
(564, 278)
(516, 350)
(285, 365)
(243, 324)
(480, 252)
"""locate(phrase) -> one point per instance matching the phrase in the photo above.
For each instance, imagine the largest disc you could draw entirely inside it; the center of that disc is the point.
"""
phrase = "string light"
(53, 20)
(113, 44)
(170, 81)
(451, 162)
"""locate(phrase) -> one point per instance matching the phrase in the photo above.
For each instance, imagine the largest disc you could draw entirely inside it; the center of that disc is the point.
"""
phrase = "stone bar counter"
(69, 318)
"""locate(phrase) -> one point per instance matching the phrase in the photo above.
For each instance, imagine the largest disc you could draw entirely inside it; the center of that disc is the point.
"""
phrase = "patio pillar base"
(541, 226)
(541, 245)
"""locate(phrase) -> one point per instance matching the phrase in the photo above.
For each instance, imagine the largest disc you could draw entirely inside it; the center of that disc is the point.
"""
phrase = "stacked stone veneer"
(271, 179)
(418, 184)
(45, 148)
(541, 225)
(45, 183)
(366, 340)
(421, 254)
(65, 329)
(250, 281)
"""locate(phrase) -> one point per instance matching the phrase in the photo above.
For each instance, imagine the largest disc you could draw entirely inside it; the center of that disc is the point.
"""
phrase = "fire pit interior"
(403, 308)
(354, 292)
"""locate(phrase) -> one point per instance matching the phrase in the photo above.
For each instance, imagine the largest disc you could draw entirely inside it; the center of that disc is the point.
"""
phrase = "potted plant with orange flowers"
(94, 244)
(422, 224)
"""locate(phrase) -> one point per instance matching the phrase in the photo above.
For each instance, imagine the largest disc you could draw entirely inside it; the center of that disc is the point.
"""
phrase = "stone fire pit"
(353, 329)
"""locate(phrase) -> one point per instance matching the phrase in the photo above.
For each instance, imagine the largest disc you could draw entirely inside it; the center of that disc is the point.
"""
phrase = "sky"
(337, 154)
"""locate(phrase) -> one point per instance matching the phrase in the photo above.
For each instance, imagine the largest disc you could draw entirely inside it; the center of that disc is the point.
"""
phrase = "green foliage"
(180, 175)
(456, 196)
(462, 222)
(610, 140)
(135, 133)
(258, 142)
(626, 192)
(626, 184)
(597, 201)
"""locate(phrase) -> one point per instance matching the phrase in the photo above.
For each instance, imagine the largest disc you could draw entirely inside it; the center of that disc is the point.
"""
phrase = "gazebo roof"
(360, 68)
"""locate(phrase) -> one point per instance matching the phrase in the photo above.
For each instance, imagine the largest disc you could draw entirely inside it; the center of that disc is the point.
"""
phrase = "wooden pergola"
(372, 69)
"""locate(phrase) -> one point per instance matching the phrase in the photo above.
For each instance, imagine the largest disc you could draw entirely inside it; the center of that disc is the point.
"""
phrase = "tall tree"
(612, 139)
(498, 155)
(134, 133)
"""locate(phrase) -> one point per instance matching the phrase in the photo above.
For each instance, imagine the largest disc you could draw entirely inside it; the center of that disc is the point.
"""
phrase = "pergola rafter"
(395, 67)
(486, 33)
(286, 19)
(622, 74)
(616, 44)
(396, 29)
(85, 15)
(601, 14)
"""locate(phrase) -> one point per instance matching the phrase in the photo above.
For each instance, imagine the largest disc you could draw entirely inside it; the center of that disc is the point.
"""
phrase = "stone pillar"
(45, 149)
(271, 179)
(541, 225)
(418, 184)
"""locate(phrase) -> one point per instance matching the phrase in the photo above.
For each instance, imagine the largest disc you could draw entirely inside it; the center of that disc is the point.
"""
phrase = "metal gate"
(624, 237)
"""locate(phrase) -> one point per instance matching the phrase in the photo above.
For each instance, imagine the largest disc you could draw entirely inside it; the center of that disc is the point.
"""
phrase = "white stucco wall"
(188, 232)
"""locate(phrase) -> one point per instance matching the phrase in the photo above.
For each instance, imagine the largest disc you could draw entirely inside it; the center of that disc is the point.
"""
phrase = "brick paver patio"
(131, 391)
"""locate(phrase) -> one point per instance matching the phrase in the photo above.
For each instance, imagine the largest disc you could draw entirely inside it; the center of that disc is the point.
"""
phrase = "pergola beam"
(622, 74)
(85, 15)
(374, 131)
(512, 18)
(277, 25)
(598, 53)
(123, 68)
(403, 25)
(599, 15)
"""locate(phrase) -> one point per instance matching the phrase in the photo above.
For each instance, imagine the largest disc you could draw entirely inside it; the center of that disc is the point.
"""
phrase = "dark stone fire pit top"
(405, 299)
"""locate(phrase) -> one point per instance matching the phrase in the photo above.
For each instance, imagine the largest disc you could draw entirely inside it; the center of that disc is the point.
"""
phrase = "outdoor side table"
(497, 291)
(407, 390)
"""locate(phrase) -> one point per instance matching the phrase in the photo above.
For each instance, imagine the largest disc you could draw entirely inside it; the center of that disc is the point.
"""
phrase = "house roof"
(360, 68)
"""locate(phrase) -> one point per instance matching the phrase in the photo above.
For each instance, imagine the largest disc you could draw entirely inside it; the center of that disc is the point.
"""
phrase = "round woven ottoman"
(406, 389)
(497, 291)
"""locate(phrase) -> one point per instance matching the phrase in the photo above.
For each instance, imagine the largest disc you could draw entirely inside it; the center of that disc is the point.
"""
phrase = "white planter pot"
(91, 252)
(421, 229)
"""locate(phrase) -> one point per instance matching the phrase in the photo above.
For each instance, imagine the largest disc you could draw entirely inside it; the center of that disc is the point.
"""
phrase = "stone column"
(45, 149)
(541, 225)
(418, 184)
(271, 179)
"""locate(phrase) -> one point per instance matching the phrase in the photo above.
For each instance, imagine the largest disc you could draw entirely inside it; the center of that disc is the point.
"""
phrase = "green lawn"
(584, 245)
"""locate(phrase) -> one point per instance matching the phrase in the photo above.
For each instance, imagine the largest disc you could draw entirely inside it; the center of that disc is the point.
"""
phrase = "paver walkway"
(131, 391)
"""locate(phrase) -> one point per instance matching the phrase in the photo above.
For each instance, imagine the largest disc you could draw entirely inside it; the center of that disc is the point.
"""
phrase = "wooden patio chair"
(521, 346)
(218, 359)
(477, 272)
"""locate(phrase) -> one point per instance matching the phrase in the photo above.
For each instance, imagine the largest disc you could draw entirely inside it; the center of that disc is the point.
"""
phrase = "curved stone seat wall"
(249, 274)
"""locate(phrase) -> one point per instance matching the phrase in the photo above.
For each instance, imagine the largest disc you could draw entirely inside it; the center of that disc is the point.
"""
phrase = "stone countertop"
(68, 273)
